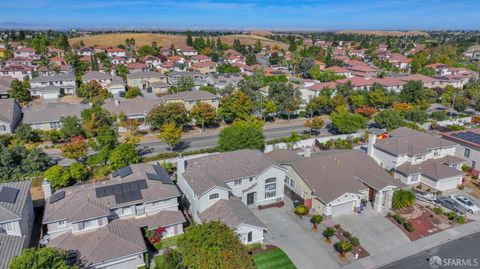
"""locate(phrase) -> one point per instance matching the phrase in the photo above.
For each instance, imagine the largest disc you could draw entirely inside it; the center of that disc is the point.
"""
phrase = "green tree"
(402, 198)
(17, 162)
(285, 97)
(235, 106)
(59, 177)
(213, 245)
(169, 112)
(417, 115)
(203, 114)
(70, 127)
(268, 108)
(41, 258)
(133, 92)
(19, 91)
(379, 98)
(316, 123)
(170, 134)
(184, 84)
(328, 233)
(122, 71)
(93, 92)
(343, 247)
(78, 172)
(346, 123)
(26, 134)
(389, 119)
(123, 155)
(93, 119)
(228, 68)
(242, 135)
(413, 92)
(357, 100)
(315, 220)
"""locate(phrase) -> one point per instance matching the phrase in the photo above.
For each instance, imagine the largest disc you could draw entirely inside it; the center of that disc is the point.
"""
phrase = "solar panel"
(125, 171)
(137, 195)
(57, 197)
(117, 189)
(100, 192)
(468, 136)
(127, 197)
(142, 184)
(161, 175)
(8, 194)
(119, 198)
(109, 190)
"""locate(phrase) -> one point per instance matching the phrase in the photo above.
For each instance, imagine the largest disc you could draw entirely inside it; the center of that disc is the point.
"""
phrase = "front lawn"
(273, 259)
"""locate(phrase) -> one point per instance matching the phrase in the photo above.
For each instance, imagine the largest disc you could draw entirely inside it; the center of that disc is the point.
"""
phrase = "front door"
(251, 198)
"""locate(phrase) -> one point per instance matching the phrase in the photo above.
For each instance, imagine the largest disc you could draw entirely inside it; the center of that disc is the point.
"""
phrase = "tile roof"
(95, 75)
(231, 212)
(419, 77)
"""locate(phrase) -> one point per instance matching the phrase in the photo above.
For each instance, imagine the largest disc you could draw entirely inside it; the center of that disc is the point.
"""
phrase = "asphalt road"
(201, 142)
(460, 253)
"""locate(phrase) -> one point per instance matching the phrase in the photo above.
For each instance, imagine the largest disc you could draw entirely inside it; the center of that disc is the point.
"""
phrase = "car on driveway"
(466, 203)
(426, 196)
(451, 204)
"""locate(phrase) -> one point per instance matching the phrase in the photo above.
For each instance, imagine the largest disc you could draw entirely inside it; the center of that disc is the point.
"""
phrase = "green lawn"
(273, 259)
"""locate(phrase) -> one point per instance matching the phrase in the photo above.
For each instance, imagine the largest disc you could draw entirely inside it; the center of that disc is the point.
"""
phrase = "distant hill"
(383, 33)
(163, 40)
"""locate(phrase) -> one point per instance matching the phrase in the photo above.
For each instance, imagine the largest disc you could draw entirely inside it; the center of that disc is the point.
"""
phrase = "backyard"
(272, 258)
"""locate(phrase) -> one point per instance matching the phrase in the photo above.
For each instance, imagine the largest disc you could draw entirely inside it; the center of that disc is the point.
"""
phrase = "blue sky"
(271, 14)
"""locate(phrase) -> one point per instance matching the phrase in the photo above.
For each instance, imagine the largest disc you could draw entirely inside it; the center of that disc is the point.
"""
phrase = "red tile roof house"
(116, 52)
(468, 147)
(200, 58)
(186, 51)
(391, 84)
(25, 52)
(399, 60)
(137, 67)
(427, 82)
(310, 90)
(361, 69)
(18, 71)
(358, 83)
(340, 71)
(204, 67)
(20, 60)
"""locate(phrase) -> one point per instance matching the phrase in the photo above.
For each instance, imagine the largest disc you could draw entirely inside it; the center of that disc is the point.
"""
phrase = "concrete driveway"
(304, 247)
(376, 233)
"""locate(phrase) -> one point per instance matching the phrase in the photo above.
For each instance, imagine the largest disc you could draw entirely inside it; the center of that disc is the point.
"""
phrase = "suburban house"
(52, 87)
(199, 79)
(186, 50)
(468, 146)
(312, 89)
(204, 67)
(115, 52)
(221, 81)
(103, 222)
(5, 83)
(135, 109)
(114, 84)
(48, 116)
(336, 182)
(16, 219)
(26, 52)
(137, 67)
(18, 71)
(190, 98)
(20, 60)
(143, 80)
(340, 71)
(10, 115)
(427, 82)
(416, 157)
(222, 186)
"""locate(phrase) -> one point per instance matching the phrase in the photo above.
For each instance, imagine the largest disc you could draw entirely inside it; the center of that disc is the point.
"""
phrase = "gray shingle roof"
(10, 246)
(51, 112)
(7, 109)
(190, 96)
(162, 219)
(12, 211)
(5, 82)
(95, 75)
(146, 74)
(232, 213)
(215, 170)
(119, 238)
(131, 107)
(57, 77)
(434, 169)
(333, 173)
(407, 141)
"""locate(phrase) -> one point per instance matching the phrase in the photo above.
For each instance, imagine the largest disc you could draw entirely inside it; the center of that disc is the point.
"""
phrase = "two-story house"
(10, 115)
(145, 79)
(417, 157)
(114, 84)
(52, 87)
(468, 147)
(222, 186)
(16, 219)
(103, 221)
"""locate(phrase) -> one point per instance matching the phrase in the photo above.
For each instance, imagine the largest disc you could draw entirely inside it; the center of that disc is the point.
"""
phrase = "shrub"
(437, 211)
(439, 192)
(439, 115)
(466, 168)
(460, 219)
(301, 210)
(337, 226)
(328, 232)
(343, 144)
(402, 199)
(460, 187)
(343, 247)
(347, 234)
(355, 241)
(315, 220)
(452, 215)
(408, 226)
(399, 219)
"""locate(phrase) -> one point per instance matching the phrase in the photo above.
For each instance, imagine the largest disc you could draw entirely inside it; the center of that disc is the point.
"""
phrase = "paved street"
(466, 249)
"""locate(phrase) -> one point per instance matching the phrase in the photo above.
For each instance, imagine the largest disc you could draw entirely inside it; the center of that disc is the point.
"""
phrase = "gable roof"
(434, 169)
(57, 77)
(231, 212)
(10, 246)
(51, 112)
(190, 96)
(13, 211)
(119, 238)
(145, 74)
(7, 108)
(204, 173)
(5, 82)
(130, 107)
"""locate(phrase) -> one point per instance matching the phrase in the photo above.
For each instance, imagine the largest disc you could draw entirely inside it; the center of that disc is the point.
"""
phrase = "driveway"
(376, 233)
(302, 246)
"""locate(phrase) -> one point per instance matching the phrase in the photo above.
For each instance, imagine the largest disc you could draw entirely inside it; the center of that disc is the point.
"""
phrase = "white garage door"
(344, 208)
(448, 184)
(50, 95)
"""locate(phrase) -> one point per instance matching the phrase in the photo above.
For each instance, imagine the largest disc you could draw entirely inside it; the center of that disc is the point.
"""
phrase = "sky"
(245, 14)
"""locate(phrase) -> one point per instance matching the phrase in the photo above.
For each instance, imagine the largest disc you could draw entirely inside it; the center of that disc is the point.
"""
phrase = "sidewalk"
(415, 247)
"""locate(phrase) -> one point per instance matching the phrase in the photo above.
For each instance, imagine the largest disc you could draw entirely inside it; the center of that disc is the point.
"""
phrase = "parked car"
(466, 203)
(426, 196)
(451, 204)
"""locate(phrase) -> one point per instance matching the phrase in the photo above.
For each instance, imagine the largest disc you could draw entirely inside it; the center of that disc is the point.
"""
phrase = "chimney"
(372, 138)
(47, 189)
(307, 153)
(117, 102)
(180, 165)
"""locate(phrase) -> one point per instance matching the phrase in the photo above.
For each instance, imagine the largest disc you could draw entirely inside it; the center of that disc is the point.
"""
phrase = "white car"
(467, 203)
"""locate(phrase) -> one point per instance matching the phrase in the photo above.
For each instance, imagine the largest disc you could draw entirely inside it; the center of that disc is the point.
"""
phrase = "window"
(473, 164)
(466, 153)
(55, 125)
(418, 157)
(249, 237)
(214, 196)
(237, 182)
(414, 178)
(7, 227)
(436, 153)
(292, 183)
(3, 128)
(251, 179)
(157, 203)
(270, 187)
(62, 223)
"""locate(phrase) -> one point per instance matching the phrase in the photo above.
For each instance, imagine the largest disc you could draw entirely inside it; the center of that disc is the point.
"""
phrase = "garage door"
(344, 208)
(50, 95)
(448, 184)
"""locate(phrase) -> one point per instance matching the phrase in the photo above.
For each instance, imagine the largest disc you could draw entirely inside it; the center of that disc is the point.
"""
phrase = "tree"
(417, 115)
(78, 172)
(40, 258)
(285, 97)
(413, 92)
(208, 88)
(366, 111)
(389, 119)
(203, 114)
(228, 68)
(70, 127)
(17, 162)
(123, 155)
(26, 134)
(242, 135)
(213, 245)
(328, 233)
(316, 123)
(122, 71)
(346, 123)
(235, 106)
(76, 149)
(251, 59)
(133, 92)
(343, 247)
(169, 112)
(93, 119)
(378, 98)
(189, 40)
(268, 108)
(402, 198)
(58, 176)
(315, 220)
(93, 92)
(170, 134)
(184, 84)
(19, 91)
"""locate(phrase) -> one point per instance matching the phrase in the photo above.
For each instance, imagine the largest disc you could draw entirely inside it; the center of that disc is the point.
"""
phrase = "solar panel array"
(123, 172)
(160, 175)
(57, 197)
(468, 136)
(8, 194)
(123, 192)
